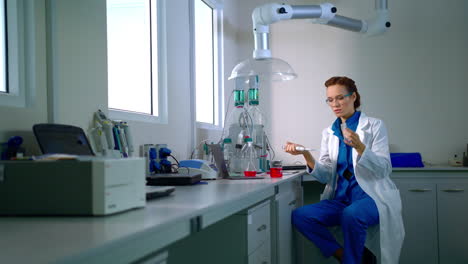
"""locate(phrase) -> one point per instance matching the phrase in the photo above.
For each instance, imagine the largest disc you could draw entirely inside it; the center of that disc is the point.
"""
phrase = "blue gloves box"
(406, 160)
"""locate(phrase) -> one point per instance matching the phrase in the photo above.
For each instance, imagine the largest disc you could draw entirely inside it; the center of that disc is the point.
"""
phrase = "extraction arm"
(265, 15)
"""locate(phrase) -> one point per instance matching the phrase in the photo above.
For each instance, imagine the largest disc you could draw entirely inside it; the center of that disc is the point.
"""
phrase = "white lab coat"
(372, 171)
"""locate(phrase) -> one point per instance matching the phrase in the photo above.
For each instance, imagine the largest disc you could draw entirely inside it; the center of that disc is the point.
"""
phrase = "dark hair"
(350, 87)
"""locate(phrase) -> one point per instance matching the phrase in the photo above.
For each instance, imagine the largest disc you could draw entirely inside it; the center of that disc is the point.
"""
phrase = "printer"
(86, 185)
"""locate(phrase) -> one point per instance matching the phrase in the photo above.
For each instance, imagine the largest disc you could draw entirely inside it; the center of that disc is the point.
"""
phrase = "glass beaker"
(276, 169)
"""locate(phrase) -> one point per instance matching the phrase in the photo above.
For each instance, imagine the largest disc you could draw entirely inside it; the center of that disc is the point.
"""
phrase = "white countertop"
(398, 171)
(140, 231)
(433, 168)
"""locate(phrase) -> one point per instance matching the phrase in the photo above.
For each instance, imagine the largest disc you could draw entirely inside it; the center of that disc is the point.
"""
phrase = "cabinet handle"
(453, 190)
(420, 190)
(292, 202)
(261, 228)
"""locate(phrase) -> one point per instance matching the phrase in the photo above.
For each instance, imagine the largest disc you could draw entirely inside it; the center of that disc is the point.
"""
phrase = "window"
(16, 38)
(135, 82)
(3, 50)
(207, 60)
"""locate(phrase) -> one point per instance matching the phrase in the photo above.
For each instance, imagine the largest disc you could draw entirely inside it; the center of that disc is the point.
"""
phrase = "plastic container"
(255, 113)
(276, 169)
(249, 156)
(239, 95)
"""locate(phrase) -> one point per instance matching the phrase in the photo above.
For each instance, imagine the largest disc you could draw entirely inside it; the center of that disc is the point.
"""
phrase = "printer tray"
(173, 179)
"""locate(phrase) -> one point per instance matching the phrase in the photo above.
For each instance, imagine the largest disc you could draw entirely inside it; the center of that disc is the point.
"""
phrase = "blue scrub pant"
(312, 221)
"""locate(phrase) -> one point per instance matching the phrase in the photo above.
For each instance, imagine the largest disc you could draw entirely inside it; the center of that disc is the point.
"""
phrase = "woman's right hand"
(290, 148)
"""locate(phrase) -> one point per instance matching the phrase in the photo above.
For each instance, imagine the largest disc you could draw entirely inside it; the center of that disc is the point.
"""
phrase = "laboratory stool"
(368, 257)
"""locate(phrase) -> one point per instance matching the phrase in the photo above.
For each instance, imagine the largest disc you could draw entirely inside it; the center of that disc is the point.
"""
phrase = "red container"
(250, 173)
(276, 172)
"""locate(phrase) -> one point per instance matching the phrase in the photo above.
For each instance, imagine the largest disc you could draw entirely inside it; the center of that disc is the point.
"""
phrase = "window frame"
(5, 51)
(218, 65)
(161, 87)
(18, 25)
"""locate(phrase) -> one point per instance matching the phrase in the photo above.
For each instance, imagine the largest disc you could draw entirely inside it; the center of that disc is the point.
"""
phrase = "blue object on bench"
(406, 160)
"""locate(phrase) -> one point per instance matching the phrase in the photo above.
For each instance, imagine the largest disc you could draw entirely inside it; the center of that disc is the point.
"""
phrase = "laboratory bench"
(240, 221)
(232, 221)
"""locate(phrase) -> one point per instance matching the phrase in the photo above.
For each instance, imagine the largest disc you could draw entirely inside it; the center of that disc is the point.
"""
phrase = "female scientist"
(359, 195)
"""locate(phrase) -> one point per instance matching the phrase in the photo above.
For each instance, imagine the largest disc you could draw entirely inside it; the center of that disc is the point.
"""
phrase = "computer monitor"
(219, 160)
(63, 139)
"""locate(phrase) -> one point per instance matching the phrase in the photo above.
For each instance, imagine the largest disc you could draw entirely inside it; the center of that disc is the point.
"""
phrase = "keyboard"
(158, 191)
(173, 179)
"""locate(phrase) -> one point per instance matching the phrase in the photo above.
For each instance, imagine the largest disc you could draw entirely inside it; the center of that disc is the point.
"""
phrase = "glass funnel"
(273, 69)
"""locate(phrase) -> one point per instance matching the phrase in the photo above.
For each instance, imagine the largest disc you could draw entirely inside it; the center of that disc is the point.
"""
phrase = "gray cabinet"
(435, 215)
(420, 220)
(288, 198)
(285, 204)
(452, 215)
(258, 233)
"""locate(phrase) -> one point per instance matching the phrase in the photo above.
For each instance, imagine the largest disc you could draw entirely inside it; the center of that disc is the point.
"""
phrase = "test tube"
(300, 148)
(343, 127)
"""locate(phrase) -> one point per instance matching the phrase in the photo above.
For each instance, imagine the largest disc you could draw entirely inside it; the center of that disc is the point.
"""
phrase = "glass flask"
(249, 156)
(257, 123)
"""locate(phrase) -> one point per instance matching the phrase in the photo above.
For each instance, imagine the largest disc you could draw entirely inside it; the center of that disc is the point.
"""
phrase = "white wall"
(68, 59)
(412, 77)
(77, 60)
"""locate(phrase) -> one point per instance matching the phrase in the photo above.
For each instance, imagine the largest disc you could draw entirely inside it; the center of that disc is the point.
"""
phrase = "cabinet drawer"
(158, 259)
(258, 226)
(262, 255)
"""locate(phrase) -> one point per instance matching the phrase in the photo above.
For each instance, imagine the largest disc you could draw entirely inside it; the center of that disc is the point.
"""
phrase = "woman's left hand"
(352, 139)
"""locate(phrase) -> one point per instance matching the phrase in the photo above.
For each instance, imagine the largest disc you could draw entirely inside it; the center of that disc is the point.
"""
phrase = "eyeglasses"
(339, 98)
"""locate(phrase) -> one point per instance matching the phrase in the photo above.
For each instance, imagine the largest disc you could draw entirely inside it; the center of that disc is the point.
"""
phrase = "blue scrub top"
(347, 191)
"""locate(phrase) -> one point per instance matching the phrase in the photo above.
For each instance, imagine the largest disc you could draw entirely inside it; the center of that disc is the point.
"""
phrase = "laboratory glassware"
(258, 134)
(228, 152)
(276, 170)
(249, 156)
